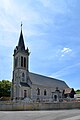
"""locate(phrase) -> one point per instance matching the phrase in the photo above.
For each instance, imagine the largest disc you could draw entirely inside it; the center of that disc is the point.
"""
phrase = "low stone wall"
(13, 106)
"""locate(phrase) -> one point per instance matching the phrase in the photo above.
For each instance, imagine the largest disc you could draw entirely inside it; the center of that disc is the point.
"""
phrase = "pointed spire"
(21, 45)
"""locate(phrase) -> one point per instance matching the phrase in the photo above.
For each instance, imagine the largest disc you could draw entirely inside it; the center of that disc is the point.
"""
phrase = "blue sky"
(51, 30)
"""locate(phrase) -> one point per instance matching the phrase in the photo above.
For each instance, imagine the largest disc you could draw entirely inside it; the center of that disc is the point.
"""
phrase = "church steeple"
(20, 68)
(21, 45)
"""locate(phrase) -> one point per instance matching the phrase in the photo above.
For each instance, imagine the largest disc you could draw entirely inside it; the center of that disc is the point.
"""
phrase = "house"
(69, 92)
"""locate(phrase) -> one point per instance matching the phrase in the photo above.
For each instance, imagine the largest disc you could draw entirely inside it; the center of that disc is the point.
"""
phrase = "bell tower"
(21, 55)
(20, 67)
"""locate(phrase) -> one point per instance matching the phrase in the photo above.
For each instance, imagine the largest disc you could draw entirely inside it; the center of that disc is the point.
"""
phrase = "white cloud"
(65, 51)
(62, 52)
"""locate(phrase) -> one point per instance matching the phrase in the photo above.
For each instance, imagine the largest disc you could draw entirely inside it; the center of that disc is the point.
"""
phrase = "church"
(26, 84)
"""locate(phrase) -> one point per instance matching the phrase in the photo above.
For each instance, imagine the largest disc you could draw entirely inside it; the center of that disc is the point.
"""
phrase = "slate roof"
(47, 81)
(24, 84)
(21, 45)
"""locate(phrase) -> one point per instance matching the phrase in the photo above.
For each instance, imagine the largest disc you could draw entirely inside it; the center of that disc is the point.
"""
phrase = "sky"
(51, 30)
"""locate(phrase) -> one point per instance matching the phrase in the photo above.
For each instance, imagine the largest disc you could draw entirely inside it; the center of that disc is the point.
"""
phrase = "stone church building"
(27, 84)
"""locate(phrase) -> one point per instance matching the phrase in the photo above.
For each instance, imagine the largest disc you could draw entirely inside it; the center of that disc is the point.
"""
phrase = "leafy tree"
(5, 86)
(78, 91)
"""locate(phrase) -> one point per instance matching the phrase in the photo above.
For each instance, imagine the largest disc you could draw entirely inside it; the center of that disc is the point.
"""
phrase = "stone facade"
(31, 85)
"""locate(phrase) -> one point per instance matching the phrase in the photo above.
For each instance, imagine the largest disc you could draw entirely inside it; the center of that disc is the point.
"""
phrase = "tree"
(78, 91)
(5, 86)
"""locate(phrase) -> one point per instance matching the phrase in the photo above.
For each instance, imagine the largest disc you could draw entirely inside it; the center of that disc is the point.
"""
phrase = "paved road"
(40, 115)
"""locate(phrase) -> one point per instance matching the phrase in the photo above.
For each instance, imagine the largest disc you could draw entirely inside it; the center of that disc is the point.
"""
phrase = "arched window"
(38, 91)
(55, 97)
(16, 62)
(24, 62)
(45, 92)
(23, 77)
(21, 61)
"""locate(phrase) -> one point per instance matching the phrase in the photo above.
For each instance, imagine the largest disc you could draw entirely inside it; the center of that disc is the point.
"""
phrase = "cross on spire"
(21, 25)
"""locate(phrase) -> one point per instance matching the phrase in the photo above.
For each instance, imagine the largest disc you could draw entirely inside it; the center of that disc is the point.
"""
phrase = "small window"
(21, 61)
(15, 76)
(45, 92)
(23, 77)
(38, 91)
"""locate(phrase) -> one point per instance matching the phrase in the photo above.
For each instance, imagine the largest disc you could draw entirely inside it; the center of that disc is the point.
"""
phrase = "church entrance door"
(55, 97)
